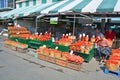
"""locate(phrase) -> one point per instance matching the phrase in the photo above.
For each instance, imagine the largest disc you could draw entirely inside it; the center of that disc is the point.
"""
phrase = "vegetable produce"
(60, 55)
(81, 46)
(74, 58)
(16, 44)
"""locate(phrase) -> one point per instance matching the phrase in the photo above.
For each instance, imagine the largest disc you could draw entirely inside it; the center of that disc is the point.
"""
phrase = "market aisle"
(20, 66)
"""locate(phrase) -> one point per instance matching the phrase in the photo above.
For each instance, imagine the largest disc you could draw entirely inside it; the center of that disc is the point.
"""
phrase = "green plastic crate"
(47, 43)
(61, 48)
(34, 44)
(14, 38)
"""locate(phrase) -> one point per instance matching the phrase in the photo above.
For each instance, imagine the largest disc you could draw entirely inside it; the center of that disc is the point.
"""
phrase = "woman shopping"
(104, 49)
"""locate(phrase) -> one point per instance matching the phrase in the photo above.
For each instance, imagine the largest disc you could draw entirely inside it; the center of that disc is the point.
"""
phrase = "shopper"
(104, 49)
(110, 35)
(97, 32)
(97, 35)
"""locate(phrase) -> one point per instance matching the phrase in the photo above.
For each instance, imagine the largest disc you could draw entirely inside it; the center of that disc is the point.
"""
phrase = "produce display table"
(86, 57)
(32, 43)
(64, 63)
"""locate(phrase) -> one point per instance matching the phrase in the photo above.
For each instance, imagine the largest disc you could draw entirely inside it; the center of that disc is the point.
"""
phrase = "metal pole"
(36, 25)
(13, 4)
(74, 25)
(6, 3)
(37, 21)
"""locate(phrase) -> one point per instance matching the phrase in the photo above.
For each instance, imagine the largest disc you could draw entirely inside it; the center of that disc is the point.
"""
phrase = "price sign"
(16, 40)
(18, 33)
(18, 45)
(56, 47)
(44, 45)
(71, 52)
(53, 39)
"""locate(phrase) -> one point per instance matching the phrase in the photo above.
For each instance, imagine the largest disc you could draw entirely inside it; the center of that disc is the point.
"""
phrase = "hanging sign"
(54, 20)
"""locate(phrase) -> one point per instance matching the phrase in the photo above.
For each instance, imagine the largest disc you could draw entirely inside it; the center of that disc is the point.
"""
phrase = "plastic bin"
(34, 44)
(61, 48)
(47, 43)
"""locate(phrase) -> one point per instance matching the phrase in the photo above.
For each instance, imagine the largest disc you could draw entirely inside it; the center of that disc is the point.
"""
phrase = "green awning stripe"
(21, 15)
(107, 6)
(59, 7)
(2, 14)
(38, 10)
(27, 12)
(29, 9)
(80, 6)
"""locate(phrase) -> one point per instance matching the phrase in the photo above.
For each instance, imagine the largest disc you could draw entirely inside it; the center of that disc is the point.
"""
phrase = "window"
(20, 4)
(34, 2)
(27, 3)
(44, 1)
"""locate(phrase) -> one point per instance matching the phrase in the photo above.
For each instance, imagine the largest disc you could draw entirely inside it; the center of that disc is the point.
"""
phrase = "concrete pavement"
(23, 66)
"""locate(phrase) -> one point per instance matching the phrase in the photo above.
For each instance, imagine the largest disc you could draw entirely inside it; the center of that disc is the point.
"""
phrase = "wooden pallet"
(10, 47)
(61, 62)
(73, 65)
(112, 72)
(42, 57)
(21, 50)
(50, 59)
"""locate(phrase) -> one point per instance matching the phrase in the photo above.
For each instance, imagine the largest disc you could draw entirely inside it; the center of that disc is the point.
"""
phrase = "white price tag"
(44, 45)
(71, 52)
(16, 40)
(53, 39)
(40, 33)
(18, 33)
(56, 47)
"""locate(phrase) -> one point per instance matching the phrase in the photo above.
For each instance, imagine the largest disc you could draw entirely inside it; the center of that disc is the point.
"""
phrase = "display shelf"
(86, 57)
(64, 63)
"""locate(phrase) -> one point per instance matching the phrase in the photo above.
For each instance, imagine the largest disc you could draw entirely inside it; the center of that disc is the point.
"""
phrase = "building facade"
(26, 3)
(7, 4)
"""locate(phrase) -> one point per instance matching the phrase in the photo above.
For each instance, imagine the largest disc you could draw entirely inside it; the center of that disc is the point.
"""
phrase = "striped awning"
(66, 6)
(84, 6)
(2, 14)
(35, 9)
(25, 11)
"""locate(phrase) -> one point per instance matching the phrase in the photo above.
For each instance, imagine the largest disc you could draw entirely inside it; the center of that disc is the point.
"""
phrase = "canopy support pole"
(74, 25)
(36, 20)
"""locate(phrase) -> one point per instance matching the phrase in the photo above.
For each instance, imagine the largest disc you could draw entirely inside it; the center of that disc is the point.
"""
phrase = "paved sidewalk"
(23, 66)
